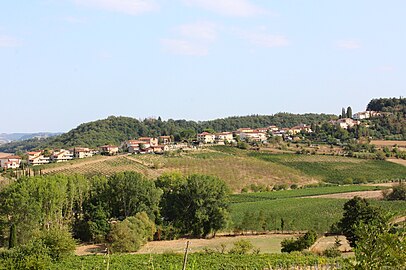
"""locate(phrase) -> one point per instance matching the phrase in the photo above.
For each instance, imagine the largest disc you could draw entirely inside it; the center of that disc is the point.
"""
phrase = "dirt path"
(373, 194)
(397, 161)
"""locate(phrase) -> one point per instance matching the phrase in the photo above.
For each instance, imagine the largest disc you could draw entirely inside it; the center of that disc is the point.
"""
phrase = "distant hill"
(10, 137)
(114, 130)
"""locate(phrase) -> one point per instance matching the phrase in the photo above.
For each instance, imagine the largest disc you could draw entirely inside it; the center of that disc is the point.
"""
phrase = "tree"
(130, 193)
(380, 245)
(343, 113)
(130, 234)
(303, 242)
(12, 241)
(356, 211)
(198, 205)
(349, 112)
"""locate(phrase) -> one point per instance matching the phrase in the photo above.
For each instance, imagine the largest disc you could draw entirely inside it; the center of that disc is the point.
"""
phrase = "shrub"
(303, 242)
(59, 242)
(241, 247)
(130, 234)
(398, 193)
(332, 252)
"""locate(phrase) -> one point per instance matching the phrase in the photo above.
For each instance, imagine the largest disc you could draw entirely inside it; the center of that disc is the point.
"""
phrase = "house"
(109, 150)
(346, 123)
(148, 140)
(273, 128)
(364, 115)
(262, 130)
(81, 152)
(224, 137)
(10, 162)
(206, 137)
(37, 158)
(165, 140)
(132, 146)
(62, 156)
(255, 135)
(302, 127)
(160, 149)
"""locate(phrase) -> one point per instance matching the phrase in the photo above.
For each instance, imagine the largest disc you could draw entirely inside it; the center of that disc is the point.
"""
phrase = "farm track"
(397, 161)
(370, 194)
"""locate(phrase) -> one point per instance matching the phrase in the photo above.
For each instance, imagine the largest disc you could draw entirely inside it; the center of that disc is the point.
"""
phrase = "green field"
(299, 213)
(337, 169)
(197, 261)
(283, 194)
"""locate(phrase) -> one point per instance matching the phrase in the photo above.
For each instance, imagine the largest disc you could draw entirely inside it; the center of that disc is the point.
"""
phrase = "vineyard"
(337, 169)
(298, 214)
(199, 261)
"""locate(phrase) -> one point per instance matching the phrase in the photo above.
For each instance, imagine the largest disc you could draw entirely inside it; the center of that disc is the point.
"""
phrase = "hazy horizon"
(67, 62)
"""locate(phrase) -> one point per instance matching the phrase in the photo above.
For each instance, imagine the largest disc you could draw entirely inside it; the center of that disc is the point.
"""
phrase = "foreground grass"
(302, 214)
(197, 261)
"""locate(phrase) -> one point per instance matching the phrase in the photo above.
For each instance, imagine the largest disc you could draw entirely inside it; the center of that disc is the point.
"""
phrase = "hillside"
(241, 168)
(114, 130)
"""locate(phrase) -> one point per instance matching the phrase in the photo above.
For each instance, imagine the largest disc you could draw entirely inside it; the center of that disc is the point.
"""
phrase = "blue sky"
(65, 62)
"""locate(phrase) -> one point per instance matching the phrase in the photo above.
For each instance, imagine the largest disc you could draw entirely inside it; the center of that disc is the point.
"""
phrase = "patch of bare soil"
(269, 243)
(373, 194)
(99, 249)
(326, 242)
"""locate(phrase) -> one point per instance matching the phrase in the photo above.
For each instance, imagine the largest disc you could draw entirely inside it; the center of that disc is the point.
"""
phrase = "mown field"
(241, 168)
(197, 261)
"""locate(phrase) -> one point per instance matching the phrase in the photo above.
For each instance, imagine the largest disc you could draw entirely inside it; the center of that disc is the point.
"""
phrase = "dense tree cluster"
(124, 209)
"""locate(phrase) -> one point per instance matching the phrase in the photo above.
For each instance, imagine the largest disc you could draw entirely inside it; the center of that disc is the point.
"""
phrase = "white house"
(206, 137)
(364, 115)
(81, 152)
(62, 155)
(10, 162)
(224, 137)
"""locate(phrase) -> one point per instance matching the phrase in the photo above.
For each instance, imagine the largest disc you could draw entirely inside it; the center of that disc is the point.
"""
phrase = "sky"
(65, 62)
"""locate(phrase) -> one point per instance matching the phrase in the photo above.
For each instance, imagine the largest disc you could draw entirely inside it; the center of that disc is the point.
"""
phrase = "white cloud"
(131, 7)
(9, 42)
(184, 47)
(73, 19)
(192, 39)
(240, 8)
(200, 30)
(263, 39)
(349, 44)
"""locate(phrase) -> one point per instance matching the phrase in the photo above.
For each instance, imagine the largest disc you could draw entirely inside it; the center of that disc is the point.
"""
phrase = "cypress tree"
(12, 241)
(349, 112)
(343, 114)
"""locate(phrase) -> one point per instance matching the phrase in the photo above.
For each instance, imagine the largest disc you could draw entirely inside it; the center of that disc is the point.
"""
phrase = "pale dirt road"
(373, 194)
(397, 161)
